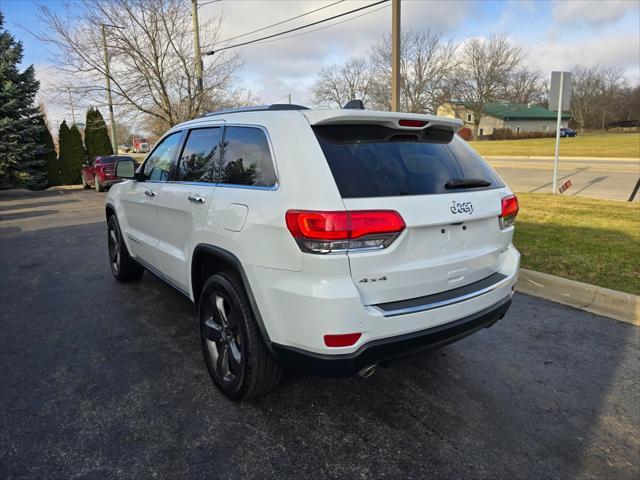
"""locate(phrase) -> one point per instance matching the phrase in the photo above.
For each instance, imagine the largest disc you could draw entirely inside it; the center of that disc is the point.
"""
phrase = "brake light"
(411, 123)
(509, 211)
(342, 340)
(332, 232)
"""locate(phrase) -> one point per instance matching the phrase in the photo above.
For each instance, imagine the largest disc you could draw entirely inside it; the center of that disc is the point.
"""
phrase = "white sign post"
(559, 98)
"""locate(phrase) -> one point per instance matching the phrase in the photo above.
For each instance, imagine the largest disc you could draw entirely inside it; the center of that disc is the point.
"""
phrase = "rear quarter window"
(377, 161)
(246, 158)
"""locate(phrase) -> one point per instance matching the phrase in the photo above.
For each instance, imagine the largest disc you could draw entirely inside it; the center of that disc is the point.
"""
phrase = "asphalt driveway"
(104, 380)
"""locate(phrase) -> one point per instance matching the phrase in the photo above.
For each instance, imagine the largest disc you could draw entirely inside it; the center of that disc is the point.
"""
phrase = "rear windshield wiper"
(466, 183)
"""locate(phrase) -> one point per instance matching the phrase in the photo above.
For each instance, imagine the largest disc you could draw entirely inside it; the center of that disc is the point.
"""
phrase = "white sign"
(557, 79)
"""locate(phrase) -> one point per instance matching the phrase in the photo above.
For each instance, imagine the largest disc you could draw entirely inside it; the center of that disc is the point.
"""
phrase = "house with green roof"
(514, 116)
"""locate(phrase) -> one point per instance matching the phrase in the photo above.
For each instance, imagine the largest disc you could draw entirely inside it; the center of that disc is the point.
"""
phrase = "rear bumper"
(295, 359)
(299, 308)
(108, 181)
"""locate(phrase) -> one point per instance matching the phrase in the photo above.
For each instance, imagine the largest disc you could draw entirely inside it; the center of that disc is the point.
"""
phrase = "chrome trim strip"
(444, 303)
(197, 184)
(247, 187)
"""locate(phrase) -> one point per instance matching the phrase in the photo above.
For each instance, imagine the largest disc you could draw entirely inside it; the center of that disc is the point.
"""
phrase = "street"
(612, 179)
(106, 380)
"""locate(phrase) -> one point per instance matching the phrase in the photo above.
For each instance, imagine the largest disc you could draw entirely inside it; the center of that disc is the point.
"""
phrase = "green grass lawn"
(592, 241)
(588, 145)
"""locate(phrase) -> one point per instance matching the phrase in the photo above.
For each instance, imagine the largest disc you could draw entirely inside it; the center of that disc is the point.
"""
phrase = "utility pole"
(114, 143)
(73, 114)
(395, 55)
(196, 44)
(289, 99)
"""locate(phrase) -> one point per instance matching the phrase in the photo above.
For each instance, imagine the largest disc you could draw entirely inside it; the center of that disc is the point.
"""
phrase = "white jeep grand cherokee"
(319, 241)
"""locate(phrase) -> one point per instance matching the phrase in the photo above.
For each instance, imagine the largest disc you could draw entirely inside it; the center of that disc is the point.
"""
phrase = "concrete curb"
(621, 306)
(543, 157)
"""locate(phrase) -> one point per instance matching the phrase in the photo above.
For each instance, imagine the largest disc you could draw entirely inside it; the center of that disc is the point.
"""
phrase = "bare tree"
(597, 94)
(151, 56)
(486, 65)
(526, 86)
(586, 82)
(426, 61)
(630, 109)
(340, 83)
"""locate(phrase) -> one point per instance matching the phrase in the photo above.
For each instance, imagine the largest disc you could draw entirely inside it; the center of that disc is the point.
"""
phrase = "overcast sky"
(554, 35)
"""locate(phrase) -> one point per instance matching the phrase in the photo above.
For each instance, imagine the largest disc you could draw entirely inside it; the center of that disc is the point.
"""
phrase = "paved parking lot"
(103, 380)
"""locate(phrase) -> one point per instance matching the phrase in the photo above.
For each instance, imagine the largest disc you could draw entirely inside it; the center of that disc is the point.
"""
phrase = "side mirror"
(126, 169)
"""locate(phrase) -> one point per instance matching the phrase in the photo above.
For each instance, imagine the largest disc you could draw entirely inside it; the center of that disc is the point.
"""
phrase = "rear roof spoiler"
(388, 119)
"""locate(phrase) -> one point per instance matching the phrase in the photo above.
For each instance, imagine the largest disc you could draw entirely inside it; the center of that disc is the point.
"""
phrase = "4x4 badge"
(463, 207)
(367, 280)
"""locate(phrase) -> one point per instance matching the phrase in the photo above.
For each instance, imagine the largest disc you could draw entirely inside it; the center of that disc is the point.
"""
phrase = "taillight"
(509, 211)
(342, 340)
(333, 232)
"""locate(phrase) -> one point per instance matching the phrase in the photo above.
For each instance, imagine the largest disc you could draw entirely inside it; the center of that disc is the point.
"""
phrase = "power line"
(211, 52)
(325, 26)
(207, 3)
(276, 24)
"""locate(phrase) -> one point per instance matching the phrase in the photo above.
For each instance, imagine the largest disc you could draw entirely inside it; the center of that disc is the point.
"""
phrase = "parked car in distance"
(317, 241)
(126, 148)
(101, 173)
(568, 132)
(140, 145)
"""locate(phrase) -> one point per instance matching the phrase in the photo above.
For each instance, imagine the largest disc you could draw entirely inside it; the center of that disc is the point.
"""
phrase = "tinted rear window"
(246, 158)
(377, 161)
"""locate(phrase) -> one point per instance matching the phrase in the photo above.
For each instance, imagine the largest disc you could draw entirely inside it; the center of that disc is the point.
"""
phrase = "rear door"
(452, 235)
(183, 205)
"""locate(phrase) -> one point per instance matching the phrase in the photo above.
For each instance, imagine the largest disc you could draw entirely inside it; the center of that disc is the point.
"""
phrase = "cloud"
(620, 51)
(595, 13)
(274, 68)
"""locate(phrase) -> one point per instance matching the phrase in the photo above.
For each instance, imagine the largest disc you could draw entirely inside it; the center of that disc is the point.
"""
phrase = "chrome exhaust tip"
(366, 372)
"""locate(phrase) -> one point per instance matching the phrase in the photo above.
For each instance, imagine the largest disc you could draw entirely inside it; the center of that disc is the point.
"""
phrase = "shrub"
(507, 134)
(465, 133)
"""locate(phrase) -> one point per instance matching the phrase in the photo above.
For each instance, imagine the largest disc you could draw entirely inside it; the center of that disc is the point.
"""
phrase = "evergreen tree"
(49, 155)
(49, 173)
(96, 138)
(21, 160)
(63, 151)
(74, 157)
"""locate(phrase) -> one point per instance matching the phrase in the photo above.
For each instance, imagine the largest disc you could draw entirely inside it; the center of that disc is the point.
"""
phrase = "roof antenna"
(354, 105)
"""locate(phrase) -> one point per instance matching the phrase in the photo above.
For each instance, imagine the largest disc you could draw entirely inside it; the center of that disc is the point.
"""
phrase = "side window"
(199, 155)
(158, 165)
(246, 159)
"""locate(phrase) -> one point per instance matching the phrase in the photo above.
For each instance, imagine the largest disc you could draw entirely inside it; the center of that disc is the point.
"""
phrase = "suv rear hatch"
(448, 197)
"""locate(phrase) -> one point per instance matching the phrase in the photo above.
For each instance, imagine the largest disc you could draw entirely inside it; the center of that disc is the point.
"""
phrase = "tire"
(85, 185)
(96, 183)
(123, 267)
(234, 352)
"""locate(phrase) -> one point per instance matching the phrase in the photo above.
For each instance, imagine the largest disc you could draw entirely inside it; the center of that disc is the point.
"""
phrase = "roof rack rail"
(258, 108)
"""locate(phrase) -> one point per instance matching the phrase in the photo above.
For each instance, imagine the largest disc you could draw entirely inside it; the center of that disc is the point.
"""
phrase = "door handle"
(150, 193)
(196, 199)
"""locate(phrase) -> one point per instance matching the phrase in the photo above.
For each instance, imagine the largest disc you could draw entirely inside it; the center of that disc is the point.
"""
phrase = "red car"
(100, 173)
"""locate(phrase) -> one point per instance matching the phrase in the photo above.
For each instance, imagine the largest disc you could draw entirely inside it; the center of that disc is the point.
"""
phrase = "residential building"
(516, 117)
